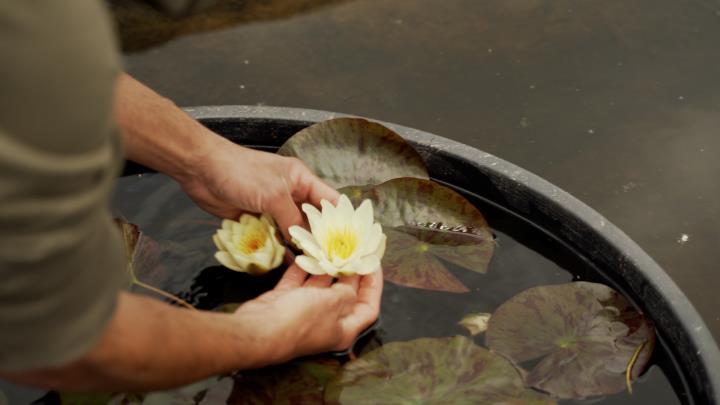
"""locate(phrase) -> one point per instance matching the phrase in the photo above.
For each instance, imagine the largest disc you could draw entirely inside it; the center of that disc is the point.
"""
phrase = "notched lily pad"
(431, 370)
(142, 253)
(427, 225)
(582, 337)
(354, 151)
(298, 382)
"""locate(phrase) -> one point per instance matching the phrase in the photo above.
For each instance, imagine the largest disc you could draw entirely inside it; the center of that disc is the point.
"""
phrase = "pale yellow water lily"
(249, 245)
(342, 241)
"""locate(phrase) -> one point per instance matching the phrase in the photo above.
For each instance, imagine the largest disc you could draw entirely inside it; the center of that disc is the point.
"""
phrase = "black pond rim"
(556, 212)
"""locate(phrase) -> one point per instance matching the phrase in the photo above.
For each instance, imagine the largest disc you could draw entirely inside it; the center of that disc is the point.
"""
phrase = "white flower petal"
(345, 206)
(306, 241)
(278, 257)
(328, 268)
(327, 207)
(241, 260)
(366, 265)
(227, 224)
(309, 264)
(218, 243)
(263, 259)
(380, 252)
(267, 221)
(268, 249)
(370, 240)
(330, 218)
(363, 217)
(313, 215)
(226, 260)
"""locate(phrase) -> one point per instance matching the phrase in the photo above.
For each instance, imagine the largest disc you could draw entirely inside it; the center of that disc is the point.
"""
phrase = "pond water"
(525, 256)
(614, 101)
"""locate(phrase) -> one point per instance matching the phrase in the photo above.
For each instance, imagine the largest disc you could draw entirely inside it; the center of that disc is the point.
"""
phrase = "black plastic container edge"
(529, 196)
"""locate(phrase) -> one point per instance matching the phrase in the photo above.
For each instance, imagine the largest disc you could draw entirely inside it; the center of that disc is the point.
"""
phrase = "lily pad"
(581, 337)
(427, 225)
(431, 370)
(74, 398)
(354, 151)
(142, 253)
(298, 382)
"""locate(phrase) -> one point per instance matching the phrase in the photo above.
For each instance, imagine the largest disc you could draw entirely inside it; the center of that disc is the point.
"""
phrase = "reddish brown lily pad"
(354, 151)
(431, 370)
(581, 335)
(298, 382)
(143, 254)
(427, 225)
(417, 257)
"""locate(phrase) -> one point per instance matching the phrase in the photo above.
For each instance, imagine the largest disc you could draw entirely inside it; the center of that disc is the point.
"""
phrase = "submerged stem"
(131, 244)
(631, 364)
(163, 293)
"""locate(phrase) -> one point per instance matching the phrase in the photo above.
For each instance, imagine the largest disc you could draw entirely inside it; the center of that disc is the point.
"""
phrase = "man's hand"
(314, 315)
(233, 179)
(149, 345)
(222, 177)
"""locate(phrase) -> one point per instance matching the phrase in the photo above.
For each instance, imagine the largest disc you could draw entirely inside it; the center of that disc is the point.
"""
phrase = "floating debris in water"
(683, 239)
(476, 323)
(629, 186)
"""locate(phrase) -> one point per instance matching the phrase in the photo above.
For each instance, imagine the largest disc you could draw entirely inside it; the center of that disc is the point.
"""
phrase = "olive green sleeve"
(61, 259)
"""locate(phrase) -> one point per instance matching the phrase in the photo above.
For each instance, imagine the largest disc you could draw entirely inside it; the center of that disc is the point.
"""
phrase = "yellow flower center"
(341, 243)
(253, 239)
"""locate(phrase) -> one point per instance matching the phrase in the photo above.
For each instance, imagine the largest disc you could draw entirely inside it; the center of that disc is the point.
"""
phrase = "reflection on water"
(525, 257)
(615, 101)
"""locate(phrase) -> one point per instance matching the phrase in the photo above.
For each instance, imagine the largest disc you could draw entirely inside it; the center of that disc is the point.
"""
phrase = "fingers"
(347, 299)
(371, 288)
(367, 307)
(309, 188)
(286, 213)
(319, 281)
(352, 281)
(294, 277)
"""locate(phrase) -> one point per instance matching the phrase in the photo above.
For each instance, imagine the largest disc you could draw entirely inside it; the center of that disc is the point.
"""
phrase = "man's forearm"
(157, 133)
(151, 345)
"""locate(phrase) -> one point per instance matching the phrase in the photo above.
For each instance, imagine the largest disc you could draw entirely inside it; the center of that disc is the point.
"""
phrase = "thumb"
(286, 213)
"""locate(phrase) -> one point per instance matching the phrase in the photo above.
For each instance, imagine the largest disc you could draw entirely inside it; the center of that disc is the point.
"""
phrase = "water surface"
(617, 102)
(525, 257)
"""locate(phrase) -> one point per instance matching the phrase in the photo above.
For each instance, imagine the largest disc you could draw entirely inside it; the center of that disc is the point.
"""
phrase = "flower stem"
(628, 370)
(164, 294)
(156, 290)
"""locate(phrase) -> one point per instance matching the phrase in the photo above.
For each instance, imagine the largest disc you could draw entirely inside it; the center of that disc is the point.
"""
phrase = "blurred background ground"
(616, 102)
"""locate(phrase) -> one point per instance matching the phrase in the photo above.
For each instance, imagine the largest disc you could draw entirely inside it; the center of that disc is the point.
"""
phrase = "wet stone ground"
(616, 102)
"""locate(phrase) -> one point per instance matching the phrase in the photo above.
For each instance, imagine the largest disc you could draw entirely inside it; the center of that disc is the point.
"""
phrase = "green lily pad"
(431, 370)
(354, 151)
(582, 337)
(298, 382)
(427, 225)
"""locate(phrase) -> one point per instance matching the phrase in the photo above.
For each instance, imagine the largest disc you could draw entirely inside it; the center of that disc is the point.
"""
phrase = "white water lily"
(250, 245)
(342, 242)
